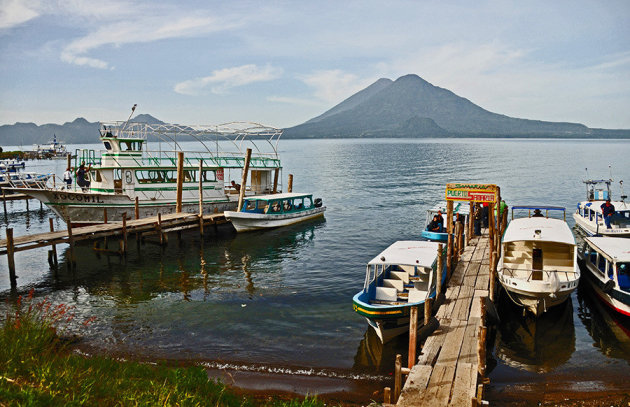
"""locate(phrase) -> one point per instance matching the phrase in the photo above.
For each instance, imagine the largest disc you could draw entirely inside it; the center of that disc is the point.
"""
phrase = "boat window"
(298, 203)
(287, 205)
(623, 276)
(209, 175)
(308, 202)
(96, 176)
(190, 176)
(108, 145)
(601, 263)
(275, 206)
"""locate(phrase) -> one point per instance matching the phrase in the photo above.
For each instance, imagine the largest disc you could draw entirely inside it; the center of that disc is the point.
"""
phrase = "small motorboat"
(589, 215)
(276, 210)
(538, 265)
(402, 276)
(607, 264)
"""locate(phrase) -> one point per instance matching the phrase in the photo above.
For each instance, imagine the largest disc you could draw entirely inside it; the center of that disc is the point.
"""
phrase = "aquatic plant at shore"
(37, 368)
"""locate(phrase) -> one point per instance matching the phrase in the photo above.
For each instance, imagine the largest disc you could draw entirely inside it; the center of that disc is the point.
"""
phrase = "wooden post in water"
(440, 263)
(200, 173)
(26, 204)
(4, 202)
(10, 256)
(397, 377)
(105, 215)
(449, 229)
(481, 343)
(54, 247)
(491, 237)
(180, 181)
(124, 232)
(413, 330)
(159, 229)
(290, 183)
(276, 175)
(71, 262)
(136, 209)
(241, 195)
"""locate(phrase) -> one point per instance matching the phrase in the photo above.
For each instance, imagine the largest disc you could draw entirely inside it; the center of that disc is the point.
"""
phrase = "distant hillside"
(412, 107)
(80, 131)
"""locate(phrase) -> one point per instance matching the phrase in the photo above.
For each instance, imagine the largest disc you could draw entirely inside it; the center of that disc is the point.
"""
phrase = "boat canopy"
(617, 248)
(409, 253)
(277, 197)
(539, 229)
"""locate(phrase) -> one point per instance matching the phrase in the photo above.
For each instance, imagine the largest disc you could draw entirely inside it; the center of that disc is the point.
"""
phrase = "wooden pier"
(447, 369)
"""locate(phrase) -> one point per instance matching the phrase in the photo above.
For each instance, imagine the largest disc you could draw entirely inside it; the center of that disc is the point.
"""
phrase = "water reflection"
(375, 357)
(535, 344)
(610, 331)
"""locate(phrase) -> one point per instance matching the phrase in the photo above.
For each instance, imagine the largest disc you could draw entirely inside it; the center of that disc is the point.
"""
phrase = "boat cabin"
(278, 204)
(610, 259)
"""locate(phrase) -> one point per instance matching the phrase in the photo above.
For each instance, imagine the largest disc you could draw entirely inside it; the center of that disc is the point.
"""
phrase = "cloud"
(16, 12)
(223, 79)
(333, 86)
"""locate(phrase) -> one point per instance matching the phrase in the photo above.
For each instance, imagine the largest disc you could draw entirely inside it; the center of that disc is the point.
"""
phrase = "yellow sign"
(471, 192)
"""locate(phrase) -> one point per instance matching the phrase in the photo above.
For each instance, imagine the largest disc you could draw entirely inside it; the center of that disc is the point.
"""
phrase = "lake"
(280, 302)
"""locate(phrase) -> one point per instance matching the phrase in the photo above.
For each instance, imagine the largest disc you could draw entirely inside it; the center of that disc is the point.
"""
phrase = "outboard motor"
(318, 202)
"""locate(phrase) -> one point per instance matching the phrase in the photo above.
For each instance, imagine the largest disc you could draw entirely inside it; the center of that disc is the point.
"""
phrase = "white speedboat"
(276, 210)
(538, 265)
(589, 216)
(127, 170)
(607, 263)
(402, 276)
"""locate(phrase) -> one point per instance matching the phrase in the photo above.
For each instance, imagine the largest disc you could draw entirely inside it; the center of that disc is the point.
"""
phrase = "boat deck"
(446, 370)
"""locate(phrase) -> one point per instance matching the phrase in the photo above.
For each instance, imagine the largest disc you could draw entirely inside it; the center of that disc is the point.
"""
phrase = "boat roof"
(275, 197)
(615, 247)
(551, 230)
(458, 207)
(409, 253)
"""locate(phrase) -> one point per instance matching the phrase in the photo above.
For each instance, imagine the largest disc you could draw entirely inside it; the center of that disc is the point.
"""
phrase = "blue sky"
(281, 63)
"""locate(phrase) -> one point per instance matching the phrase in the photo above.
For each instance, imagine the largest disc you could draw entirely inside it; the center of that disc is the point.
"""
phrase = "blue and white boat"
(589, 217)
(400, 277)
(607, 264)
(275, 210)
(462, 208)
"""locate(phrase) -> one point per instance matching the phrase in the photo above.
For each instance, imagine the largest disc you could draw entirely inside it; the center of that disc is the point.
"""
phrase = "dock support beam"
(440, 266)
(241, 195)
(54, 247)
(180, 180)
(413, 330)
(200, 174)
(10, 257)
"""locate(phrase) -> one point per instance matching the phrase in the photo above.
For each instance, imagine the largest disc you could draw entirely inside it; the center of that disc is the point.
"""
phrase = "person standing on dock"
(67, 178)
(608, 210)
(477, 215)
(82, 177)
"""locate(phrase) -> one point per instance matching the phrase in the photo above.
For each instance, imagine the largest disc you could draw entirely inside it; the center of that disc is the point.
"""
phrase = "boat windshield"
(623, 276)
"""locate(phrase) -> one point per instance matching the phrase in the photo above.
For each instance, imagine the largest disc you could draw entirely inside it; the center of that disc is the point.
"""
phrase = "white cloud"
(223, 79)
(333, 86)
(16, 12)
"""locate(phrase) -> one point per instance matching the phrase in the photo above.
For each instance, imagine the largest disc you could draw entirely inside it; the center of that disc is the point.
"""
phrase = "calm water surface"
(281, 299)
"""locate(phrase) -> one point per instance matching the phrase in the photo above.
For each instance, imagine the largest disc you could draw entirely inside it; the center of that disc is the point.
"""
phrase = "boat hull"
(245, 222)
(89, 207)
(614, 298)
(536, 301)
(435, 236)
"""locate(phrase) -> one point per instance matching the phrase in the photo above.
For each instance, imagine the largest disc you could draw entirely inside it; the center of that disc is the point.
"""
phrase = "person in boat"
(237, 187)
(537, 214)
(67, 178)
(82, 180)
(608, 210)
(440, 220)
(434, 225)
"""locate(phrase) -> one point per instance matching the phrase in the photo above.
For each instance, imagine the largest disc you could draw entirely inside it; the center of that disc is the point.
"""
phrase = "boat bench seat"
(416, 296)
(411, 270)
(394, 283)
(386, 294)
(400, 275)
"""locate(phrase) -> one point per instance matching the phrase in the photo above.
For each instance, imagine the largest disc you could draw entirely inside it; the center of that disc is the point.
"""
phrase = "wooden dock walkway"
(446, 372)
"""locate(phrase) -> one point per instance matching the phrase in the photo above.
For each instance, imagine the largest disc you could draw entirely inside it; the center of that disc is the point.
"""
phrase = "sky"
(281, 63)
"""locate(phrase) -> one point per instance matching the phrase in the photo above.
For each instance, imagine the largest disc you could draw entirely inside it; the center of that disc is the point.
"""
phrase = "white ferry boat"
(127, 170)
(589, 217)
(607, 263)
(272, 211)
(538, 265)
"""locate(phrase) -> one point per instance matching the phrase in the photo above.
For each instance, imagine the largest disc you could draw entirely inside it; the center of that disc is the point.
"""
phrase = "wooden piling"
(492, 251)
(397, 377)
(290, 183)
(26, 204)
(427, 309)
(438, 283)
(471, 220)
(387, 395)
(54, 247)
(136, 209)
(105, 215)
(200, 173)
(413, 330)
(159, 229)
(10, 257)
(72, 261)
(180, 181)
(481, 343)
(449, 229)
(4, 202)
(276, 175)
(124, 232)
(241, 195)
